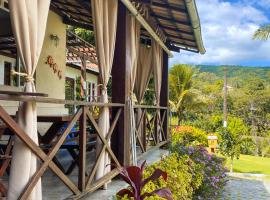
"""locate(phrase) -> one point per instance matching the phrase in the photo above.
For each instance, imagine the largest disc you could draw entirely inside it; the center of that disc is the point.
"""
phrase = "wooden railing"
(150, 131)
(150, 126)
(86, 177)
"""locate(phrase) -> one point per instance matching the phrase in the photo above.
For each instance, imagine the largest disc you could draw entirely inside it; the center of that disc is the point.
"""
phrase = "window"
(91, 91)
(70, 93)
(7, 73)
(94, 91)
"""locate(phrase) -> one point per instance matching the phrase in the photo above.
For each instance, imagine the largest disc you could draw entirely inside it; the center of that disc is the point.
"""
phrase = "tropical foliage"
(262, 33)
(248, 101)
(133, 175)
(209, 166)
(182, 96)
(189, 135)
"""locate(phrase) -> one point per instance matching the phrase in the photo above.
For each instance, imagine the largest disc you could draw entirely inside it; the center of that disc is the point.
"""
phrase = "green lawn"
(251, 164)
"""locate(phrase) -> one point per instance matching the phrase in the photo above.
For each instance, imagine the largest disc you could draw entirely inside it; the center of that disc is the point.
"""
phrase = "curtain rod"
(139, 17)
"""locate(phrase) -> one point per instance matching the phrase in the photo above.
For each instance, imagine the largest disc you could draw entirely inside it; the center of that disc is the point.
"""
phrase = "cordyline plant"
(133, 175)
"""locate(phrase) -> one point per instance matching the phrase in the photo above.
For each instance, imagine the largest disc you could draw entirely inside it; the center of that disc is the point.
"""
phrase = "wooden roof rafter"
(174, 20)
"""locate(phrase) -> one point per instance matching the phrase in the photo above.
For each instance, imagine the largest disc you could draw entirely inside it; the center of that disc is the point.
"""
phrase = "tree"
(262, 33)
(180, 82)
(86, 35)
(231, 139)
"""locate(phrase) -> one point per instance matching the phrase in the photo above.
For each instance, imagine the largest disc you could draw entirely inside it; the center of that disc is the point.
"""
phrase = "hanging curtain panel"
(134, 28)
(28, 19)
(144, 71)
(157, 68)
(105, 22)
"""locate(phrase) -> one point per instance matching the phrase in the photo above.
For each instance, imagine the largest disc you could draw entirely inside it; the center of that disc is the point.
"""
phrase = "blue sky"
(227, 29)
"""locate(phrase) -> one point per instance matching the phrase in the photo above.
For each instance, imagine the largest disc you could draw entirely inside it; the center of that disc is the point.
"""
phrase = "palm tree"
(262, 33)
(180, 82)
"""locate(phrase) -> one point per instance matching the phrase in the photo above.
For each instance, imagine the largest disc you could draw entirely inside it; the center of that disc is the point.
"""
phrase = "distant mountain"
(236, 71)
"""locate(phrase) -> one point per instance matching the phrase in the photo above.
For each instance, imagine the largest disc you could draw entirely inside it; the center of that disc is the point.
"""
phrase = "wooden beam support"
(190, 33)
(164, 95)
(82, 150)
(180, 22)
(121, 87)
(68, 21)
(162, 5)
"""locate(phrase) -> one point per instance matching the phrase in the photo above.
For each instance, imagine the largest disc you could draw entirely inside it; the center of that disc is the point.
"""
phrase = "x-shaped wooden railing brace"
(47, 159)
(106, 146)
(151, 126)
(160, 123)
(137, 131)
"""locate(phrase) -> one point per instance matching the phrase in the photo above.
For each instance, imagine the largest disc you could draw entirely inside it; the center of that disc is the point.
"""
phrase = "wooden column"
(83, 78)
(120, 86)
(82, 150)
(164, 95)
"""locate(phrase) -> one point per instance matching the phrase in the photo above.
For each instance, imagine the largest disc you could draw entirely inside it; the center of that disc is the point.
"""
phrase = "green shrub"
(188, 135)
(211, 167)
(248, 146)
(184, 177)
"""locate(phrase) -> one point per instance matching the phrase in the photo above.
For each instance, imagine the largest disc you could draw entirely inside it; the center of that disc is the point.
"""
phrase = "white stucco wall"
(73, 73)
(46, 80)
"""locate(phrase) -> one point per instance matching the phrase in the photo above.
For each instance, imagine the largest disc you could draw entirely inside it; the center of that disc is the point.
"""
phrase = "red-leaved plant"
(133, 175)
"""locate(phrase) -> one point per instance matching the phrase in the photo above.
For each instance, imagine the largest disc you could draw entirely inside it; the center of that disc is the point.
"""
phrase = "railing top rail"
(150, 107)
(38, 99)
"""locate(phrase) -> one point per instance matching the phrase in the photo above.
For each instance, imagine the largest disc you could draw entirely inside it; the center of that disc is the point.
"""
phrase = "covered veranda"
(134, 40)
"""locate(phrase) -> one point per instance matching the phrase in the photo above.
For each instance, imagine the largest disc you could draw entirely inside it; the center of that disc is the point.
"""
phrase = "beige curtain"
(144, 71)
(157, 68)
(105, 22)
(134, 28)
(28, 19)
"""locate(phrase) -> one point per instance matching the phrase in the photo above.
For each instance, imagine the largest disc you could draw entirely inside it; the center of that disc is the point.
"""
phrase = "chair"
(5, 155)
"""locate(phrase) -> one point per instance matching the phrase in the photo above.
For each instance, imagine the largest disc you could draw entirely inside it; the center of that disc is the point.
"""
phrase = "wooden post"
(121, 87)
(82, 150)
(164, 94)
(83, 78)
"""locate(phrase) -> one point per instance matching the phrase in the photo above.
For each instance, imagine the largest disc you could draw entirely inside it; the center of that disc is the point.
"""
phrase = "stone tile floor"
(247, 187)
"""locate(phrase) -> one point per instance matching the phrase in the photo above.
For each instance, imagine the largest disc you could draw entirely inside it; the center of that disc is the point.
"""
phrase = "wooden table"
(58, 122)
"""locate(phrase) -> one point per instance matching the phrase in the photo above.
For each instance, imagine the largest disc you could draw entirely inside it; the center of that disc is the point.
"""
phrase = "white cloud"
(227, 30)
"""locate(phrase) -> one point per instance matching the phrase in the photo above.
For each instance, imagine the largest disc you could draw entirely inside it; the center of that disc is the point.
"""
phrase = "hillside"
(237, 71)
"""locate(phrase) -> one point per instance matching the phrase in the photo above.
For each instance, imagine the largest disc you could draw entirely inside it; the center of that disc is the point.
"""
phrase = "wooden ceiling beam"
(180, 37)
(180, 22)
(162, 5)
(184, 46)
(177, 30)
(68, 21)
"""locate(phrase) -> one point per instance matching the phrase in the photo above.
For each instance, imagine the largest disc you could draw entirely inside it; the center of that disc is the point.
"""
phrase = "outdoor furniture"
(71, 143)
(5, 157)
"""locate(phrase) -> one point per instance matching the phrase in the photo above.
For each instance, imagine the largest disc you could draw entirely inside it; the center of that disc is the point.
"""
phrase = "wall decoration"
(55, 39)
(54, 66)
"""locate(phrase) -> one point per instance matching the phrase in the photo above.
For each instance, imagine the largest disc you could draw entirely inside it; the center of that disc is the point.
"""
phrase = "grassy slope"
(251, 164)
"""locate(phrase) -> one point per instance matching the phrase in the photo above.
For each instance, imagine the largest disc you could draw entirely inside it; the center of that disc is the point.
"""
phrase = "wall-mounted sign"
(55, 67)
